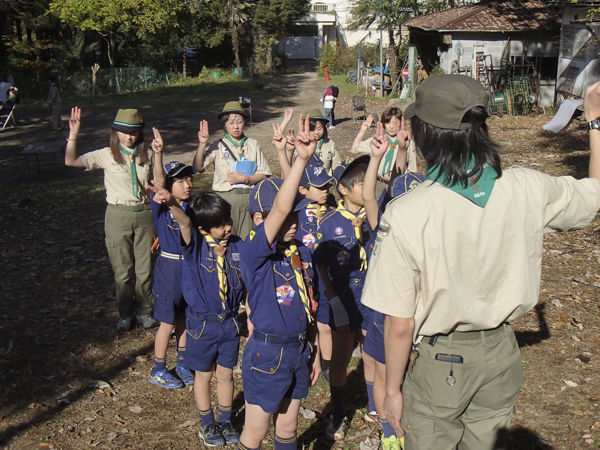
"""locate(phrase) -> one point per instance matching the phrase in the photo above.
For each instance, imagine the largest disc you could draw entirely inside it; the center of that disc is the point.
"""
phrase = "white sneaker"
(336, 428)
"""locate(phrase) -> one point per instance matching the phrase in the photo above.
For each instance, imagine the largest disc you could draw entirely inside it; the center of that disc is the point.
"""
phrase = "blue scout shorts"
(211, 341)
(323, 310)
(373, 345)
(168, 296)
(350, 294)
(272, 372)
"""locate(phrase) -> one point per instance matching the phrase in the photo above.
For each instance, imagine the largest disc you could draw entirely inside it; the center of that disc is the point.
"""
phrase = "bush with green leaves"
(339, 60)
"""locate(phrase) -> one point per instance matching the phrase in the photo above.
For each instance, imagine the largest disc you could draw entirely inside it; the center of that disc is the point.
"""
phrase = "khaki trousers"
(242, 219)
(475, 412)
(129, 237)
(57, 121)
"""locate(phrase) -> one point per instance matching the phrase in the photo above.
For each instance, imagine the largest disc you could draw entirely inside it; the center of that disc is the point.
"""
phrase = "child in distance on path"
(213, 289)
(54, 101)
(169, 304)
(280, 361)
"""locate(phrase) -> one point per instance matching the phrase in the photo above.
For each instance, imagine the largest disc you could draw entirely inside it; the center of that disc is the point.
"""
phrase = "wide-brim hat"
(315, 114)
(315, 174)
(176, 169)
(348, 164)
(263, 196)
(127, 120)
(443, 101)
(233, 108)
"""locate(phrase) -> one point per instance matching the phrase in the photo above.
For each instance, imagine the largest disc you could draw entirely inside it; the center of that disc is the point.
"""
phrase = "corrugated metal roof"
(492, 15)
(584, 3)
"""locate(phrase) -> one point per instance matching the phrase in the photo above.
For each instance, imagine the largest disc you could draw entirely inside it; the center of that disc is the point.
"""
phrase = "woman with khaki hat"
(233, 148)
(129, 227)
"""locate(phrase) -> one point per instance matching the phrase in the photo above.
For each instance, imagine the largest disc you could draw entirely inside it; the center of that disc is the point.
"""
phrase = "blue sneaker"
(185, 375)
(231, 436)
(211, 435)
(165, 379)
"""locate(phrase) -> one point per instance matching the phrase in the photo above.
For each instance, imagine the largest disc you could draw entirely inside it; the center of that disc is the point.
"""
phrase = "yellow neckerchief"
(219, 249)
(293, 254)
(317, 210)
(357, 221)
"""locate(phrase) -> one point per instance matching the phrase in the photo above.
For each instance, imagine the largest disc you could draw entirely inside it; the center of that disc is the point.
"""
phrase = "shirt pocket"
(283, 272)
(116, 168)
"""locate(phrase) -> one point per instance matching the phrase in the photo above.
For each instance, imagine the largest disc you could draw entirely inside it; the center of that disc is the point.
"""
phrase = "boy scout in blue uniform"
(213, 288)
(399, 185)
(169, 304)
(342, 261)
(279, 361)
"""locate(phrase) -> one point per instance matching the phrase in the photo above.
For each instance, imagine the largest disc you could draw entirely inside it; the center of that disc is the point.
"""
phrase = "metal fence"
(114, 81)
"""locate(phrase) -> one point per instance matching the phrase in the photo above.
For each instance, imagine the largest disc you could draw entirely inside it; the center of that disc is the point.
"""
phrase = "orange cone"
(326, 75)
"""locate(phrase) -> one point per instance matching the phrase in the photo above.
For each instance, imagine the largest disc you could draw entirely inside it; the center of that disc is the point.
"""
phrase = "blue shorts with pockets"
(373, 345)
(168, 294)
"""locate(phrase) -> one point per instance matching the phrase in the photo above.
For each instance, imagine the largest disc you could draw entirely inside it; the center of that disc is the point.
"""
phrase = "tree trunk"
(269, 56)
(393, 60)
(235, 40)
(185, 64)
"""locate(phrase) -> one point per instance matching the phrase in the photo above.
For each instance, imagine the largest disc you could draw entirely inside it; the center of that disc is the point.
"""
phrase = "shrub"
(339, 60)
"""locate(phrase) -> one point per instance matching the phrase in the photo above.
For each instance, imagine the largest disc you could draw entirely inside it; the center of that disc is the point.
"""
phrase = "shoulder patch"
(252, 234)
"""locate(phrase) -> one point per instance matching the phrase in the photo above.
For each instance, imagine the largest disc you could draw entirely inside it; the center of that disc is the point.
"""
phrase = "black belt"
(131, 208)
(214, 317)
(240, 191)
(272, 339)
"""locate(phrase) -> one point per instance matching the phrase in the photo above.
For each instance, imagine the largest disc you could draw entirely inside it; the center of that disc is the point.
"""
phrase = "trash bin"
(236, 72)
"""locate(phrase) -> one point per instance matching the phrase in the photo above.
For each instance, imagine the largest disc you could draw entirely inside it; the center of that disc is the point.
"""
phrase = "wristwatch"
(594, 124)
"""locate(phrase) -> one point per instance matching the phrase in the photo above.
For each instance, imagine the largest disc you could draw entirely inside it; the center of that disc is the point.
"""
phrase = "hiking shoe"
(336, 428)
(164, 378)
(185, 375)
(325, 376)
(147, 321)
(231, 436)
(125, 324)
(391, 443)
(371, 416)
(211, 435)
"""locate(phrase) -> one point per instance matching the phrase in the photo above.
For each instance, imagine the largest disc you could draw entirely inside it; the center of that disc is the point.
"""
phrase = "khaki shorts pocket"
(419, 431)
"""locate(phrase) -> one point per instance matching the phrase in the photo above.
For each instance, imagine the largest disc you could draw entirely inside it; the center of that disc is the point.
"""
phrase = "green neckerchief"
(388, 162)
(319, 147)
(478, 191)
(131, 154)
(238, 145)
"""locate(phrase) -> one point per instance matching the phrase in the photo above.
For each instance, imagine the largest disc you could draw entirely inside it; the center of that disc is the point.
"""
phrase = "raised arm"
(280, 143)
(290, 148)
(592, 111)
(203, 137)
(71, 158)
(157, 148)
(361, 134)
(287, 117)
(379, 145)
(164, 197)
(282, 206)
(403, 144)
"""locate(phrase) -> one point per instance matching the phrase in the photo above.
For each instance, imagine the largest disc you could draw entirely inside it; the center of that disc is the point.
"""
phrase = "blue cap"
(315, 174)
(263, 195)
(405, 183)
(348, 164)
(175, 168)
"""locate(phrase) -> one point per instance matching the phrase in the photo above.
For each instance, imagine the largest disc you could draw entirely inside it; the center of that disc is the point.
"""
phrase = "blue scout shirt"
(201, 277)
(275, 304)
(167, 228)
(308, 228)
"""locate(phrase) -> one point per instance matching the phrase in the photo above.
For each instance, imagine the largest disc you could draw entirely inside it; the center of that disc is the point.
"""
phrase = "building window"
(319, 7)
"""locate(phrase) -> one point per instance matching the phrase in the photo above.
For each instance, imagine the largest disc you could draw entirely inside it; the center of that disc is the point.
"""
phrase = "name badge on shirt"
(235, 257)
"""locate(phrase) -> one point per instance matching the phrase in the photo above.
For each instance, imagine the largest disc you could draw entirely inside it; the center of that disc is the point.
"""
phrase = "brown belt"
(382, 180)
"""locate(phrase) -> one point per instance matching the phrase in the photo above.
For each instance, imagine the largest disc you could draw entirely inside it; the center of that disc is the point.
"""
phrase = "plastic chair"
(8, 116)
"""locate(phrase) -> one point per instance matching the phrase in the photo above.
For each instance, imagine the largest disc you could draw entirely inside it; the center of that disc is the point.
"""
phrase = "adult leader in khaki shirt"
(452, 276)
(232, 186)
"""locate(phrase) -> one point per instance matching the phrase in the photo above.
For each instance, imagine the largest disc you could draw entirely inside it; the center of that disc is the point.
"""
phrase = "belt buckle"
(221, 317)
(302, 336)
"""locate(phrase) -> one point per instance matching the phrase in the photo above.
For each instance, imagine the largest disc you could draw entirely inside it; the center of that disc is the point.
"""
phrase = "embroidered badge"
(318, 170)
(311, 219)
(308, 240)
(235, 257)
(252, 234)
(342, 257)
(225, 154)
(285, 294)
(339, 230)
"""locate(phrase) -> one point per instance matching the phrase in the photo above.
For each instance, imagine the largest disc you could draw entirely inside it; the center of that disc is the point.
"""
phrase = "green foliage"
(72, 51)
(339, 60)
(436, 70)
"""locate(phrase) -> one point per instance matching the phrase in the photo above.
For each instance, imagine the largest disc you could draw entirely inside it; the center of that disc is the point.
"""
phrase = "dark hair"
(387, 115)
(141, 152)
(313, 126)
(208, 210)
(225, 118)
(451, 149)
(169, 181)
(52, 79)
(356, 175)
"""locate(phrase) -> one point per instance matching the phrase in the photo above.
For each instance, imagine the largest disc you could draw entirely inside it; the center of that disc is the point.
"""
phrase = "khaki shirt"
(330, 156)
(219, 154)
(455, 266)
(117, 178)
(364, 148)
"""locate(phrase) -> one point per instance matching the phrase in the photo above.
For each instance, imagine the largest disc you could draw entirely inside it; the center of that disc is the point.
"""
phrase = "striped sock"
(180, 356)
(286, 443)
(337, 399)
(206, 417)
(243, 447)
(370, 394)
(388, 430)
(159, 364)
(223, 413)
